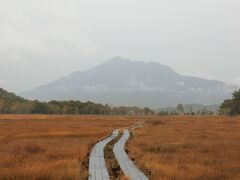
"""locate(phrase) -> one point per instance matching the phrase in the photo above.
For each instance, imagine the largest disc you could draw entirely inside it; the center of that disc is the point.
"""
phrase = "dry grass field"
(167, 147)
(50, 147)
(188, 147)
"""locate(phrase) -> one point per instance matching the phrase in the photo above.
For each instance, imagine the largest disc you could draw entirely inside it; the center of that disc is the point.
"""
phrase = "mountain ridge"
(120, 81)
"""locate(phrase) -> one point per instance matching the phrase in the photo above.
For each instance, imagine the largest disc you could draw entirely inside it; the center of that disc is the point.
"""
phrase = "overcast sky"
(41, 41)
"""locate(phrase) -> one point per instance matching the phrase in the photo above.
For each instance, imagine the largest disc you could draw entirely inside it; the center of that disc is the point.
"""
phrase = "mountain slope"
(123, 82)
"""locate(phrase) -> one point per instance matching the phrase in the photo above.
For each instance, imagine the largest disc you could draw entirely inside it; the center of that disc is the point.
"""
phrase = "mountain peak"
(125, 64)
(116, 60)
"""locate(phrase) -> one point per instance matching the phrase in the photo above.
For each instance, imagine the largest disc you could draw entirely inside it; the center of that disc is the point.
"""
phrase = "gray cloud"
(43, 40)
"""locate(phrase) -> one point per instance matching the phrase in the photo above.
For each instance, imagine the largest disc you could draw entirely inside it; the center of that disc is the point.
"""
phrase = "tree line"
(181, 110)
(12, 104)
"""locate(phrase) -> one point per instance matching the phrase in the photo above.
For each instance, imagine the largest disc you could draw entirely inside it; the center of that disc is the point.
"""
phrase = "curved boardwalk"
(127, 166)
(97, 168)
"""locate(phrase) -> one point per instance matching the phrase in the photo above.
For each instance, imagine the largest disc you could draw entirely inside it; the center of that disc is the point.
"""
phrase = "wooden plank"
(97, 167)
(126, 164)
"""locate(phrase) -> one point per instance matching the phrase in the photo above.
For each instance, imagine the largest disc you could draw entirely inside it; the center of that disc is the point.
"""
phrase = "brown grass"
(51, 147)
(188, 147)
(167, 147)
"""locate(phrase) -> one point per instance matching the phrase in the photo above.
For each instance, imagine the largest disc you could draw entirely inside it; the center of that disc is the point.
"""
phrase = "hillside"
(10, 103)
(5, 95)
(123, 82)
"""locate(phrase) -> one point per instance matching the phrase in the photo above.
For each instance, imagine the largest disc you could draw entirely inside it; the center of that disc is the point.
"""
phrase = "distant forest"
(12, 104)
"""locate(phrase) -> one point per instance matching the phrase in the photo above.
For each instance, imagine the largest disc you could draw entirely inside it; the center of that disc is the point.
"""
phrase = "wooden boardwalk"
(126, 164)
(97, 167)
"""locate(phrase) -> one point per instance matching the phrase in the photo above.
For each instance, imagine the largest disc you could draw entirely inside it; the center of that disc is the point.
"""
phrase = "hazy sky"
(42, 40)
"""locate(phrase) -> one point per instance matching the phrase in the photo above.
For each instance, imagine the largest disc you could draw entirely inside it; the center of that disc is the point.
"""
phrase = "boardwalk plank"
(127, 166)
(97, 167)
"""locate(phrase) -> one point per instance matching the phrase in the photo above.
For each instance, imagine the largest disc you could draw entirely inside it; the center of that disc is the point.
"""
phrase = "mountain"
(123, 82)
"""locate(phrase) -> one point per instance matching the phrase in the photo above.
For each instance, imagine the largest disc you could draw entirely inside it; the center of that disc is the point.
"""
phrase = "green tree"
(231, 106)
